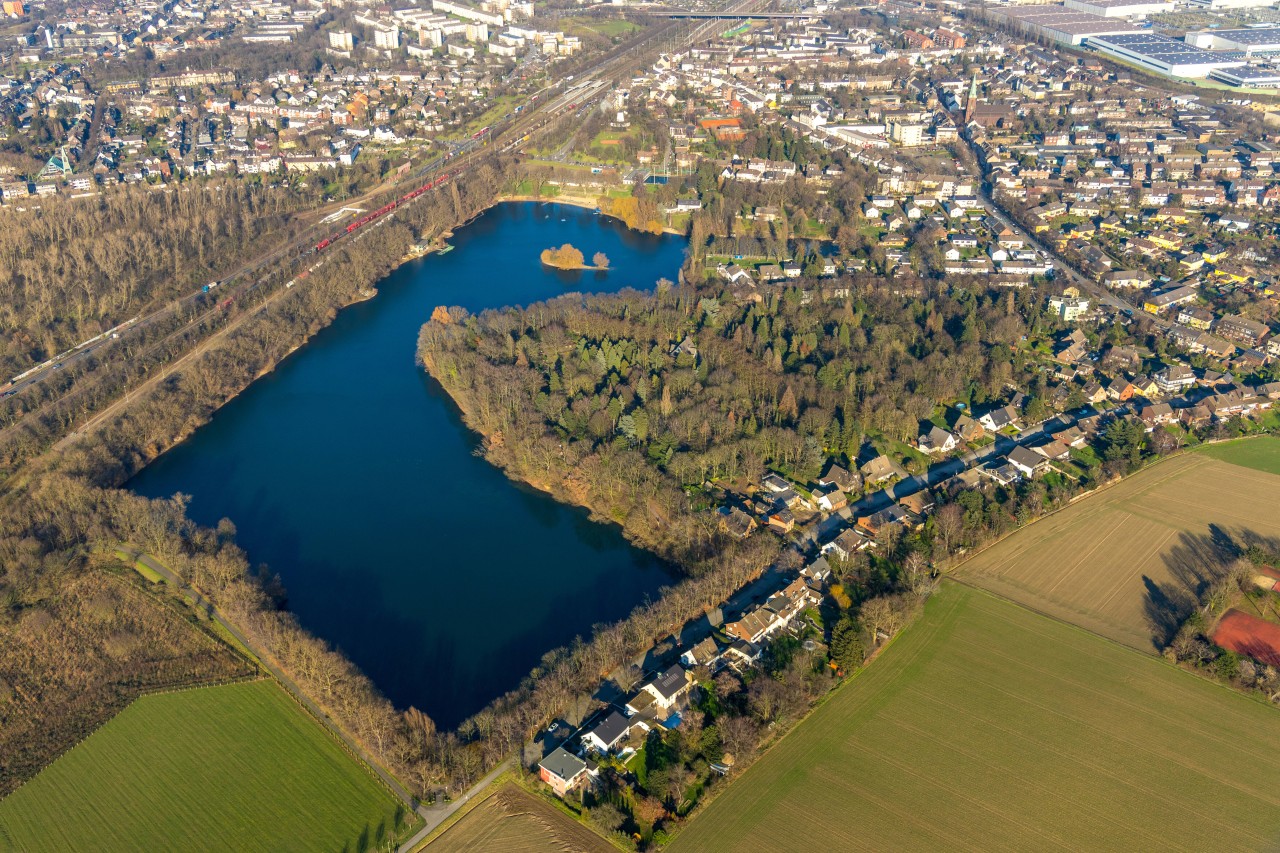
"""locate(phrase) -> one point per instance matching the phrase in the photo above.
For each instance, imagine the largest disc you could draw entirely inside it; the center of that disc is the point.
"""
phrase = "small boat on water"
(445, 249)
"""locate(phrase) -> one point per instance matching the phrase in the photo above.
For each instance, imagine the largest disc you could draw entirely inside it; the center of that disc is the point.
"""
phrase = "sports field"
(1129, 562)
(512, 820)
(238, 767)
(985, 726)
(1248, 635)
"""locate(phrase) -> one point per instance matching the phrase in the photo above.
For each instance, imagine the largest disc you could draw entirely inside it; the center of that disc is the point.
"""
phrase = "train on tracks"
(382, 211)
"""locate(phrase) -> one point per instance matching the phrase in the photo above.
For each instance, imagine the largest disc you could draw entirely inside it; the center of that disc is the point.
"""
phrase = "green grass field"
(988, 727)
(1261, 452)
(238, 767)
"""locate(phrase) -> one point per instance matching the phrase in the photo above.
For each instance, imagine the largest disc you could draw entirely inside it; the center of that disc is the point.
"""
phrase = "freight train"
(382, 211)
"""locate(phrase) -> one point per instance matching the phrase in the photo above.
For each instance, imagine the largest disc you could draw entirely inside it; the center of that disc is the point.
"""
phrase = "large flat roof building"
(1249, 75)
(1061, 24)
(1251, 40)
(1163, 55)
(1233, 4)
(1120, 8)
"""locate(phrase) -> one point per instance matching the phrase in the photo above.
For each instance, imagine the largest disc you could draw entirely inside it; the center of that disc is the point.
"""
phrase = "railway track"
(563, 101)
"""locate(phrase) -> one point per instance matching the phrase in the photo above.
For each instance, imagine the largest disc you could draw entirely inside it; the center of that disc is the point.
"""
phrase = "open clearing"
(1128, 563)
(238, 767)
(514, 821)
(985, 726)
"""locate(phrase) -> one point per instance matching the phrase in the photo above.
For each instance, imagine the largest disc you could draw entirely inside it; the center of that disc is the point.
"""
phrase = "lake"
(348, 471)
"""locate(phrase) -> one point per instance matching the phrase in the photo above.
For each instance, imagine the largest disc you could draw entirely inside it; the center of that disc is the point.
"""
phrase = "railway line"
(564, 100)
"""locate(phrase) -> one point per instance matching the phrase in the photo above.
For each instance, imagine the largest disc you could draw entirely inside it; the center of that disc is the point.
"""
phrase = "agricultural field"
(1262, 453)
(238, 767)
(514, 821)
(985, 726)
(1130, 562)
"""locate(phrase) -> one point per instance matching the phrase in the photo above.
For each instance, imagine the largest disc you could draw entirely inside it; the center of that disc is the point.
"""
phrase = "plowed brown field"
(1128, 563)
(515, 821)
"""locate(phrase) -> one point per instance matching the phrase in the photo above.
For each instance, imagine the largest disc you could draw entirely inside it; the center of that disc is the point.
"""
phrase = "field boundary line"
(1179, 454)
(276, 672)
(1130, 649)
(719, 791)
(158, 691)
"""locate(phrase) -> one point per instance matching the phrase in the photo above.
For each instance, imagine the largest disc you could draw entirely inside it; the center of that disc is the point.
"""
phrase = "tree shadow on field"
(1194, 562)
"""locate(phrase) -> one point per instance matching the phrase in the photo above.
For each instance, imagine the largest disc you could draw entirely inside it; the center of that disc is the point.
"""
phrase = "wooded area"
(80, 266)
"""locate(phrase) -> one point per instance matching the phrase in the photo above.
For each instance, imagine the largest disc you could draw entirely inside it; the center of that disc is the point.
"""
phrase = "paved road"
(440, 812)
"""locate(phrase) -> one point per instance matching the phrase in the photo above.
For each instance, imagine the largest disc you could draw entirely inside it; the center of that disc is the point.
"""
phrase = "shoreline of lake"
(365, 494)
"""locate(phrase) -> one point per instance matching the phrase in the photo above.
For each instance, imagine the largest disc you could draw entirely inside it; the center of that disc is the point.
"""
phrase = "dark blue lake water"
(349, 472)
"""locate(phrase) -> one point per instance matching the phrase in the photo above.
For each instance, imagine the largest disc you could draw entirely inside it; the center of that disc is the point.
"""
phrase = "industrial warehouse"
(1249, 75)
(1164, 55)
(1119, 8)
(1063, 25)
(1250, 40)
(1109, 27)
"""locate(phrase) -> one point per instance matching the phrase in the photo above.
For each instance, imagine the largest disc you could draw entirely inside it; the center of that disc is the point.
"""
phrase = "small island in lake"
(568, 257)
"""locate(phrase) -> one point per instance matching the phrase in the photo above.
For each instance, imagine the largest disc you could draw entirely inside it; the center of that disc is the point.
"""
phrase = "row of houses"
(574, 765)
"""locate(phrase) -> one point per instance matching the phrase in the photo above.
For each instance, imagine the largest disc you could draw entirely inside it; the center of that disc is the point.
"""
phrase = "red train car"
(382, 211)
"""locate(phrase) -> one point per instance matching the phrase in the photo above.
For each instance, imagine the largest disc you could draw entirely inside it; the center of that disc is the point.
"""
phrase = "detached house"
(840, 478)
(605, 735)
(563, 771)
(668, 687)
(997, 419)
(1026, 461)
(846, 544)
(936, 440)
(882, 468)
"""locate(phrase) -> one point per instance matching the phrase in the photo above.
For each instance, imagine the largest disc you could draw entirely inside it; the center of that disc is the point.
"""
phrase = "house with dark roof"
(936, 440)
(892, 514)
(1002, 471)
(736, 522)
(563, 771)
(997, 419)
(839, 477)
(668, 686)
(1027, 461)
(846, 544)
(604, 736)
